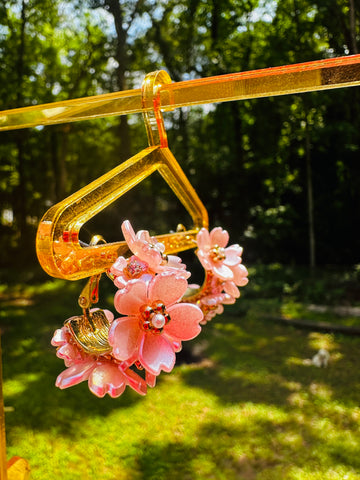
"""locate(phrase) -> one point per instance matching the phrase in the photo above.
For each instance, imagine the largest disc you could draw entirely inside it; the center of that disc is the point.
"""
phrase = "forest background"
(282, 174)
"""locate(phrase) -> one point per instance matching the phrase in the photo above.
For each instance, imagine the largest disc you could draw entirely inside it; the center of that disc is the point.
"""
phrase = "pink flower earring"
(158, 311)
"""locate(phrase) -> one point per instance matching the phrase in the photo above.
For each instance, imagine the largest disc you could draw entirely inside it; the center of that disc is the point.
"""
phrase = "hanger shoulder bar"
(298, 78)
(109, 104)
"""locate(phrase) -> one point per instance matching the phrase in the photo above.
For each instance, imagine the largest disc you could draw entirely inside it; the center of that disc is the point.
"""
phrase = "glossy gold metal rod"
(298, 78)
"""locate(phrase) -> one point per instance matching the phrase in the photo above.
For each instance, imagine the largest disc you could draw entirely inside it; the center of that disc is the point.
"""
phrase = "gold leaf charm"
(91, 329)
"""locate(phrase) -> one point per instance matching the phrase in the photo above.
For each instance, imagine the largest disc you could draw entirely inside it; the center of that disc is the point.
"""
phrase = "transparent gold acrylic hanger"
(58, 247)
(57, 243)
(312, 76)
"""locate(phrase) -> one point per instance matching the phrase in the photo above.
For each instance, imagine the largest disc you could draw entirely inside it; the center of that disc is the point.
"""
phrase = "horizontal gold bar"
(290, 79)
(299, 78)
(109, 104)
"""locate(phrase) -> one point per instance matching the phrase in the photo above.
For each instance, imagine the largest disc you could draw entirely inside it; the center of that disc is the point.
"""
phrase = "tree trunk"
(352, 14)
(58, 157)
(20, 192)
(215, 14)
(184, 136)
(122, 59)
(310, 198)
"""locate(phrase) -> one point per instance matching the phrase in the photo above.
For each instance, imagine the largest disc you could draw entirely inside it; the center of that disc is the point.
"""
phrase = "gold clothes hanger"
(57, 243)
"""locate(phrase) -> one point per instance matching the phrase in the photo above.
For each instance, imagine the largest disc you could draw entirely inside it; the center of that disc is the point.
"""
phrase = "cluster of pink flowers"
(156, 315)
(224, 272)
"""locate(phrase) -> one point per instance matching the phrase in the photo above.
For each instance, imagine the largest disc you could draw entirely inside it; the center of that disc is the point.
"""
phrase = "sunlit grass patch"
(248, 407)
(298, 310)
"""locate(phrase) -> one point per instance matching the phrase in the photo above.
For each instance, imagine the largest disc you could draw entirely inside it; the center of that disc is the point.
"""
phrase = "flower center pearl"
(217, 253)
(158, 320)
(154, 317)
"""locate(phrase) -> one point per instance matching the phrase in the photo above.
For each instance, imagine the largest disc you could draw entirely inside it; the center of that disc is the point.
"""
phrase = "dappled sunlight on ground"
(245, 407)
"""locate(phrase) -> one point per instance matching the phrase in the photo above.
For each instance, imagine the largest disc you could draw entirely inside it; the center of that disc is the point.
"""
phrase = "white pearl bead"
(158, 320)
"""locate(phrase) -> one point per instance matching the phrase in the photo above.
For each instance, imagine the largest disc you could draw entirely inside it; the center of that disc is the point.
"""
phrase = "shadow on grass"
(243, 450)
(215, 453)
(282, 415)
(251, 360)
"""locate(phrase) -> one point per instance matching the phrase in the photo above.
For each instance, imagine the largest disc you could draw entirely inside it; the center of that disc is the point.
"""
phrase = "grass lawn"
(248, 406)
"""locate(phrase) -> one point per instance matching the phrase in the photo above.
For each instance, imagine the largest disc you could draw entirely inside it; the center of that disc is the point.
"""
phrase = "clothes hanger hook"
(151, 103)
(58, 247)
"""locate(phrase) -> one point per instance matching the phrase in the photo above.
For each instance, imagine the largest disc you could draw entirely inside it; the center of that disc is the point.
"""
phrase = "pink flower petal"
(135, 382)
(177, 345)
(228, 299)
(184, 323)
(231, 289)
(152, 257)
(235, 249)
(144, 237)
(149, 254)
(167, 287)
(120, 282)
(130, 361)
(240, 275)
(174, 261)
(75, 374)
(128, 233)
(124, 337)
(219, 310)
(231, 259)
(139, 244)
(203, 239)
(222, 271)
(129, 300)
(218, 236)
(61, 336)
(243, 282)
(204, 260)
(211, 300)
(150, 379)
(118, 267)
(107, 378)
(69, 353)
(156, 354)
(212, 313)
